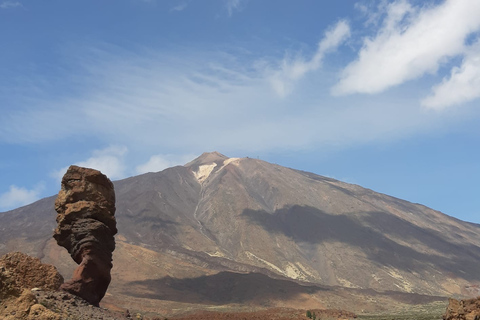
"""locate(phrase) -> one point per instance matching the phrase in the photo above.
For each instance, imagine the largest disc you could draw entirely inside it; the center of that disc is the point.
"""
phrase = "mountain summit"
(207, 158)
(242, 222)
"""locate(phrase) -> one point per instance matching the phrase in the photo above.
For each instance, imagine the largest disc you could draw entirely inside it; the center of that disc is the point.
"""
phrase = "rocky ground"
(29, 290)
(54, 305)
(270, 314)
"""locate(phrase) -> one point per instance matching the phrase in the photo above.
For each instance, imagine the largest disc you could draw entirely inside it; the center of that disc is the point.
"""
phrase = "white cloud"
(180, 7)
(19, 196)
(10, 4)
(290, 71)
(110, 161)
(462, 86)
(233, 5)
(412, 41)
(160, 161)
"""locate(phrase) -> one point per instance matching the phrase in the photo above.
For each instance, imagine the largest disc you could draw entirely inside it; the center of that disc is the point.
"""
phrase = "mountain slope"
(219, 214)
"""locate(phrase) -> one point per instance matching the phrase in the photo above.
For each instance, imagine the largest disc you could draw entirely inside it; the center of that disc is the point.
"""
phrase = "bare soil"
(269, 314)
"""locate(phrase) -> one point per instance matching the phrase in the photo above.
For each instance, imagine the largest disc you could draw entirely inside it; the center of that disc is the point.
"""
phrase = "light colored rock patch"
(234, 161)
(376, 278)
(346, 283)
(305, 270)
(292, 272)
(216, 254)
(231, 160)
(204, 171)
(402, 283)
(271, 265)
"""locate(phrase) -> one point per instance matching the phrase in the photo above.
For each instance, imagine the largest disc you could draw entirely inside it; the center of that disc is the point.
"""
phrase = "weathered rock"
(19, 271)
(37, 311)
(18, 308)
(463, 309)
(86, 228)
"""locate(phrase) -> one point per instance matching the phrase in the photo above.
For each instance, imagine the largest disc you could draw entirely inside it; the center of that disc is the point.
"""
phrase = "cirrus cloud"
(290, 71)
(233, 5)
(10, 4)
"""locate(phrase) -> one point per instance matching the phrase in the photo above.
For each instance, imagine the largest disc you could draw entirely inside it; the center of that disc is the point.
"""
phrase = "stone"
(86, 227)
(23, 308)
(19, 271)
(37, 311)
(463, 309)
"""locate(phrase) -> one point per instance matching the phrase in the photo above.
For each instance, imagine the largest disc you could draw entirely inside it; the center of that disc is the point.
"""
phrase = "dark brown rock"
(463, 309)
(86, 228)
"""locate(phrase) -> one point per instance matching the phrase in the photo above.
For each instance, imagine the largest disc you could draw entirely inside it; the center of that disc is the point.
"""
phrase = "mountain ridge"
(241, 215)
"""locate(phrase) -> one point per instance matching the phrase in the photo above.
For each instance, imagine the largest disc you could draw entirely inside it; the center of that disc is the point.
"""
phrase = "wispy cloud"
(20, 196)
(192, 102)
(411, 42)
(234, 5)
(182, 6)
(463, 84)
(110, 161)
(159, 162)
(290, 71)
(10, 4)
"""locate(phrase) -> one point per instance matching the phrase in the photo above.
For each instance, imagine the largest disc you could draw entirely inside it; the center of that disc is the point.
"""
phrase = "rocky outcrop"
(86, 228)
(19, 275)
(26, 307)
(36, 304)
(19, 271)
(463, 309)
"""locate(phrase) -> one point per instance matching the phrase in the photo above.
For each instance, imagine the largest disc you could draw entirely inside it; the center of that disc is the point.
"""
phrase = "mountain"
(239, 231)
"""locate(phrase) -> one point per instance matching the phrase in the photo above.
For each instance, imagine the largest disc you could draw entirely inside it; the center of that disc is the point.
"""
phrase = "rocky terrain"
(463, 309)
(236, 234)
(271, 314)
(20, 271)
(29, 290)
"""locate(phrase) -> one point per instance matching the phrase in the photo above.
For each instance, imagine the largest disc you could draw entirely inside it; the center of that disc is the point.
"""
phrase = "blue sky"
(384, 94)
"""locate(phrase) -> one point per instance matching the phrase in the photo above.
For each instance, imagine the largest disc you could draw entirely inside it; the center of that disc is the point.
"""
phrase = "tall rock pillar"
(86, 228)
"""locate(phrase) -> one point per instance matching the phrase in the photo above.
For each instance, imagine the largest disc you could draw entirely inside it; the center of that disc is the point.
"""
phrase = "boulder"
(19, 271)
(463, 309)
(20, 276)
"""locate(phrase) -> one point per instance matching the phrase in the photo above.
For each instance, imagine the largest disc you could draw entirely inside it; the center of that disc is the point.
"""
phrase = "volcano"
(222, 231)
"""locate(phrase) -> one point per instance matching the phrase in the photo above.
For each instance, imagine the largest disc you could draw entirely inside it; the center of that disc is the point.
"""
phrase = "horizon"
(381, 94)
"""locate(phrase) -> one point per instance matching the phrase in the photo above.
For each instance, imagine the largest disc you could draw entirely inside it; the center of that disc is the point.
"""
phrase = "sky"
(384, 94)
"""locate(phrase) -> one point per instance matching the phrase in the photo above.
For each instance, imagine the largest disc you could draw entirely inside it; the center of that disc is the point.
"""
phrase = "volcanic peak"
(203, 166)
(206, 158)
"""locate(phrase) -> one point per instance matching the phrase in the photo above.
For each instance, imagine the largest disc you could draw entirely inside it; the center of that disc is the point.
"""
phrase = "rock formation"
(19, 271)
(463, 309)
(86, 228)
